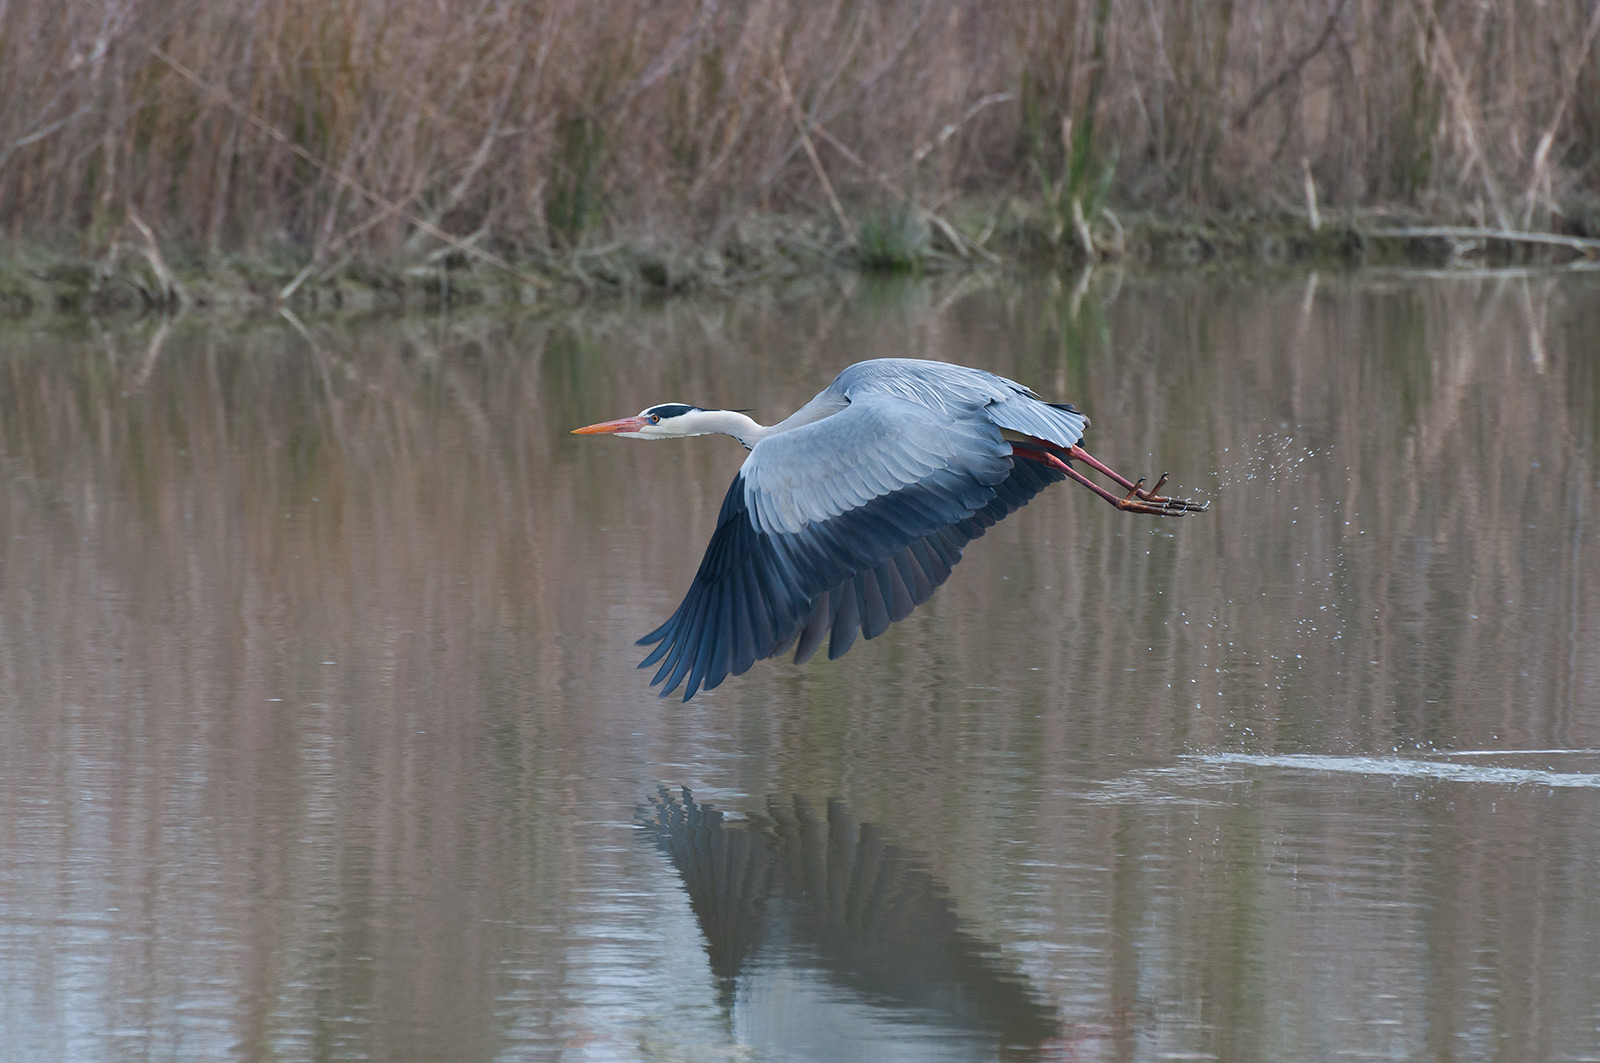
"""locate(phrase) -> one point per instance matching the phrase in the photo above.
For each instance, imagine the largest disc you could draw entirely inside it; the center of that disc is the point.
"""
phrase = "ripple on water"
(1423, 769)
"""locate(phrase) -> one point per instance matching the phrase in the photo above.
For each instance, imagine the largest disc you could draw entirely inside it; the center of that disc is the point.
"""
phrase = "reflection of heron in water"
(790, 895)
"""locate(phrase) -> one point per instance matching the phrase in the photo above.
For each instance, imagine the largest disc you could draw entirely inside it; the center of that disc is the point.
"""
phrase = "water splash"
(1265, 458)
(1416, 769)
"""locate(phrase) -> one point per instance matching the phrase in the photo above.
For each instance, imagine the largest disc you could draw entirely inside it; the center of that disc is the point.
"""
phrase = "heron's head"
(669, 420)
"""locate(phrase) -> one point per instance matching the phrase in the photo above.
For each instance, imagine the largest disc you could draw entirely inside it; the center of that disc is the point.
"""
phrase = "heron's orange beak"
(625, 424)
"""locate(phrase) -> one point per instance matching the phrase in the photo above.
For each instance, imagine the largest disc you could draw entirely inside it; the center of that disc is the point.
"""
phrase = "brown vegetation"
(325, 131)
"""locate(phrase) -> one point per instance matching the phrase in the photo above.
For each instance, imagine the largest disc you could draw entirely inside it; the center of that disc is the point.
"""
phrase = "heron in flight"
(850, 511)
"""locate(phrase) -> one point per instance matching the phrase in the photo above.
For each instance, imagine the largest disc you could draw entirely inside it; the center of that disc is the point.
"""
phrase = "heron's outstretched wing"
(843, 525)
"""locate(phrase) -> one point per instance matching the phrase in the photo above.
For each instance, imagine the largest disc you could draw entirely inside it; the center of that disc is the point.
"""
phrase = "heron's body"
(849, 512)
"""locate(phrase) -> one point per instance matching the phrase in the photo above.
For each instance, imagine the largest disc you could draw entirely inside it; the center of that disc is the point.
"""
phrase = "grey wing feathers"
(841, 527)
(881, 444)
(944, 387)
(1056, 423)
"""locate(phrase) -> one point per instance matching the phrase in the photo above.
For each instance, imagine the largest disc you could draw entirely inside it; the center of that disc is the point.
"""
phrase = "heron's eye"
(655, 418)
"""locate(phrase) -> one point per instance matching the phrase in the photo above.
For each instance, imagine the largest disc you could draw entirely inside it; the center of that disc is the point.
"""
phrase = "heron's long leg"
(1137, 500)
(1079, 454)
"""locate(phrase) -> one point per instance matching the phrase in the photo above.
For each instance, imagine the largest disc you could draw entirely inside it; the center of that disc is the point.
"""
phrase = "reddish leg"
(1137, 500)
(1079, 454)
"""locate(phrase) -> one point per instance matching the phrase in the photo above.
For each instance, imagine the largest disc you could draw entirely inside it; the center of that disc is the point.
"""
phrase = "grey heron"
(850, 511)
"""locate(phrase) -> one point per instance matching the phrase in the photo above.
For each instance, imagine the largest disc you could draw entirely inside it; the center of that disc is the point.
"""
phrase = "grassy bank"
(344, 145)
(763, 249)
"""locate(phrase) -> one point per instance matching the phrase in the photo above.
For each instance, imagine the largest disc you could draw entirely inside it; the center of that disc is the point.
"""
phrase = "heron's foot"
(1161, 507)
(1166, 507)
(1139, 500)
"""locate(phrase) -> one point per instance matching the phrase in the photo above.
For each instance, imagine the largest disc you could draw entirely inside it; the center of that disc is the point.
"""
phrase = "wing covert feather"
(877, 446)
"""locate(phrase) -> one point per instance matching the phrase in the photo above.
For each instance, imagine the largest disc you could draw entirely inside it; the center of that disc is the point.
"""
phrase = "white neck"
(713, 422)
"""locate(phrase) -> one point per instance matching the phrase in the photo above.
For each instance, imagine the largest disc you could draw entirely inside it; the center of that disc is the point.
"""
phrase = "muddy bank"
(136, 275)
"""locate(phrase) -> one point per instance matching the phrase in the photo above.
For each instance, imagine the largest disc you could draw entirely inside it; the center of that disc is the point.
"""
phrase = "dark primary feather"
(844, 524)
(756, 594)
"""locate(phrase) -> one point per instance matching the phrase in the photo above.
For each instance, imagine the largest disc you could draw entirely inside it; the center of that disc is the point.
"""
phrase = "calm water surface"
(321, 736)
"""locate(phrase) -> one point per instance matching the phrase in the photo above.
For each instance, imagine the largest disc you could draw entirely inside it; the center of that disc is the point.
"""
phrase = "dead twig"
(169, 291)
(1119, 239)
(389, 205)
(666, 60)
(1292, 68)
(1314, 218)
(953, 128)
(1461, 103)
(961, 243)
(890, 59)
(793, 107)
(1540, 175)
(1586, 246)
(1081, 228)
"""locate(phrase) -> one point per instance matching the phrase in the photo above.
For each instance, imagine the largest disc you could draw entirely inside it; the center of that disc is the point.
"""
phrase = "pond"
(321, 736)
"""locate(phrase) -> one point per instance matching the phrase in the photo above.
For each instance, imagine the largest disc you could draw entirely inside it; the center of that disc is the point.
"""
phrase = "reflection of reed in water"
(794, 889)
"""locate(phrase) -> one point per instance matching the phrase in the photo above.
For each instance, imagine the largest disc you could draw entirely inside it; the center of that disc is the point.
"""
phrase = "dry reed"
(322, 129)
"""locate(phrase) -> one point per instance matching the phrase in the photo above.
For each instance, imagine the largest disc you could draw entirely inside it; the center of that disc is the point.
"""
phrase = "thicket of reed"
(321, 129)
